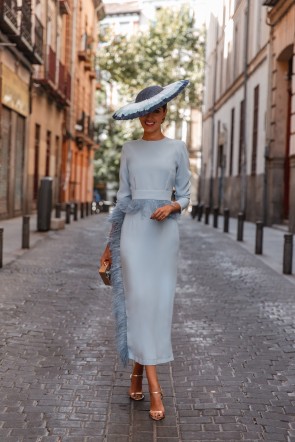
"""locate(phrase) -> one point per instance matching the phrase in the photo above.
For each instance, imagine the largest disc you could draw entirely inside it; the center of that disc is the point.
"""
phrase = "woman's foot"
(135, 390)
(157, 411)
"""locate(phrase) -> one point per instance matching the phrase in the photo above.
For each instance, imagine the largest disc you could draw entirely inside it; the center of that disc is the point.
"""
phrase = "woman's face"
(151, 123)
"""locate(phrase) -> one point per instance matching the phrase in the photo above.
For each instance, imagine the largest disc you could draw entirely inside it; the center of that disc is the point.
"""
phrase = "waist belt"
(152, 194)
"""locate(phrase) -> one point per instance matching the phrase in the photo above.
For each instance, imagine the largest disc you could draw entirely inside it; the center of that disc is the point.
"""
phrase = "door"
(5, 159)
(19, 164)
(287, 150)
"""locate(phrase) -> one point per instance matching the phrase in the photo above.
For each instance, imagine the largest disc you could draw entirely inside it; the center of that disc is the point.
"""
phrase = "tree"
(171, 49)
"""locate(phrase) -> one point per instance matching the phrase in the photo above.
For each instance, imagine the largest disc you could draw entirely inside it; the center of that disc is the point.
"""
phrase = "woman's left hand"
(163, 212)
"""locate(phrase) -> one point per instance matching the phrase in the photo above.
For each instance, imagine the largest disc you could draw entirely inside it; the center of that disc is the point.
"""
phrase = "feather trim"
(126, 205)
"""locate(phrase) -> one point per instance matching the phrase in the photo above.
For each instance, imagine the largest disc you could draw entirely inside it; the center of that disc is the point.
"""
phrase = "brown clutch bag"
(105, 272)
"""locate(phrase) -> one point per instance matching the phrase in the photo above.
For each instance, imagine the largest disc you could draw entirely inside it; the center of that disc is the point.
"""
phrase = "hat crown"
(147, 93)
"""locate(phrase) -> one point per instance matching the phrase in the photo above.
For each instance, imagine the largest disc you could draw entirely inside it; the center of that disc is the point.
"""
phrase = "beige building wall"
(49, 102)
(281, 116)
(77, 170)
(233, 164)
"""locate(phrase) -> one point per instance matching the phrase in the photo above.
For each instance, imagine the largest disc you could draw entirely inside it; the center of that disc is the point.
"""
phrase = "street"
(233, 336)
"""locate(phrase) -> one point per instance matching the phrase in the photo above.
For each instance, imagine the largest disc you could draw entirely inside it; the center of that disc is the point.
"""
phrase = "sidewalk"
(273, 243)
(273, 240)
(12, 237)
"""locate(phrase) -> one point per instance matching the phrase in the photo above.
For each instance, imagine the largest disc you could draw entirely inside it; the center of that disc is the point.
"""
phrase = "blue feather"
(126, 205)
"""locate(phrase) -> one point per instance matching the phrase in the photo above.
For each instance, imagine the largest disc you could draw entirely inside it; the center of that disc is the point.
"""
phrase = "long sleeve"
(182, 181)
(124, 185)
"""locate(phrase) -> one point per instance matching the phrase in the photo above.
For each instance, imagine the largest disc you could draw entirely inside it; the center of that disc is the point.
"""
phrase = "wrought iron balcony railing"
(8, 16)
(270, 2)
(64, 7)
(26, 25)
(16, 23)
(38, 44)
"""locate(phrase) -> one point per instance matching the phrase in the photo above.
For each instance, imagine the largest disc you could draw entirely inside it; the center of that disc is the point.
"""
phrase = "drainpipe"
(243, 202)
(213, 122)
(265, 213)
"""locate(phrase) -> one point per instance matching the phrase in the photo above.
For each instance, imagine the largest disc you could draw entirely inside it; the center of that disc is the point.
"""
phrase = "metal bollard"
(207, 213)
(194, 211)
(1, 247)
(240, 231)
(87, 208)
(26, 232)
(75, 212)
(215, 217)
(200, 212)
(68, 213)
(259, 238)
(57, 210)
(82, 210)
(288, 254)
(226, 220)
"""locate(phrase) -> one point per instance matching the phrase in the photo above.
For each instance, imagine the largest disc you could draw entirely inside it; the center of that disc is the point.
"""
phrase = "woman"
(144, 240)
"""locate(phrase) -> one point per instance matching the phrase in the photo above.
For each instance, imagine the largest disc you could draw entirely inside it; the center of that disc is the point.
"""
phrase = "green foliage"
(107, 157)
(171, 49)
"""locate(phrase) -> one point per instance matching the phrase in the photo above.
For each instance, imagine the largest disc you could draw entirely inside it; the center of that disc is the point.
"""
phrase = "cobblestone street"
(233, 336)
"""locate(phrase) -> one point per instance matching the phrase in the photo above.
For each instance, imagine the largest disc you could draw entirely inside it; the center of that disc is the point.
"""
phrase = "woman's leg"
(156, 399)
(136, 381)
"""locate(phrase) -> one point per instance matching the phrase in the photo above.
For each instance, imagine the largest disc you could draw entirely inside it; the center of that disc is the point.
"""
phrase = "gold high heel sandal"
(157, 415)
(136, 396)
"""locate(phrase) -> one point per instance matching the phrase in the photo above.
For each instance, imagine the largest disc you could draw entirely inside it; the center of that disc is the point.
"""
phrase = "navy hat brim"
(135, 110)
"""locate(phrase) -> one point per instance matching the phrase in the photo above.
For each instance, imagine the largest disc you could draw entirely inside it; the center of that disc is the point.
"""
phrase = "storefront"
(14, 113)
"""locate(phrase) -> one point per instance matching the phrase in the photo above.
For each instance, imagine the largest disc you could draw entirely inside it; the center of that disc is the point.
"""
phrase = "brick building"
(48, 81)
(248, 119)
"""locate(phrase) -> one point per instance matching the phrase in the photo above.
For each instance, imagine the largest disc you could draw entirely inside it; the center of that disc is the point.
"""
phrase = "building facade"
(48, 80)
(247, 116)
(20, 48)
(280, 156)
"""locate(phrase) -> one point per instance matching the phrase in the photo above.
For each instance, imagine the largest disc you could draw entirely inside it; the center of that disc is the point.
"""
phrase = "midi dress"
(144, 251)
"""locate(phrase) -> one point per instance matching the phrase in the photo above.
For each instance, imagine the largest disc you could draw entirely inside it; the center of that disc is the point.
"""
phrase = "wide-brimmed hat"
(150, 99)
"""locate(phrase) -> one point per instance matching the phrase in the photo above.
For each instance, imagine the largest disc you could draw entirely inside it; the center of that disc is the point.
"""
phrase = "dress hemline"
(151, 361)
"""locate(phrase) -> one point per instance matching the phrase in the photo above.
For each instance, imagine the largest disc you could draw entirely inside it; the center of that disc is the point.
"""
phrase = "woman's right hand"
(106, 256)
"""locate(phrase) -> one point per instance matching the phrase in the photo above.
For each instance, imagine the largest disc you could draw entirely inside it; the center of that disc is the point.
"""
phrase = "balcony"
(25, 36)
(38, 46)
(68, 88)
(22, 35)
(51, 65)
(85, 131)
(8, 16)
(61, 78)
(85, 52)
(54, 78)
(64, 7)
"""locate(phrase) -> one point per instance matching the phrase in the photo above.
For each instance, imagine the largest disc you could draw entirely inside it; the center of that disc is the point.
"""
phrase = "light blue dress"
(149, 172)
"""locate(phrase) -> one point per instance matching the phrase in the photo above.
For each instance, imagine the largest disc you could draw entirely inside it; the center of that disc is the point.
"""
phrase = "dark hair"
(164, 107)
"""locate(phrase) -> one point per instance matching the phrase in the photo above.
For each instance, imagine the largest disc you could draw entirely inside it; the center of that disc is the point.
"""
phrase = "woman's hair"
(164, 107)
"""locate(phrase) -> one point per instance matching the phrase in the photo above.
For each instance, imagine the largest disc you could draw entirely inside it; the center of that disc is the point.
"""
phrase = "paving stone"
(233, 337)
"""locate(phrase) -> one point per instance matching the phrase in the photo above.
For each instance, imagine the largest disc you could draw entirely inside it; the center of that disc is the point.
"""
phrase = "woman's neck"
(153, 137)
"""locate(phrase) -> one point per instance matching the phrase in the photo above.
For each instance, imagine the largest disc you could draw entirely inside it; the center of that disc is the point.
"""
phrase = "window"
(36, 161)
(241, 141)
(232, 135)
(255, 130)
